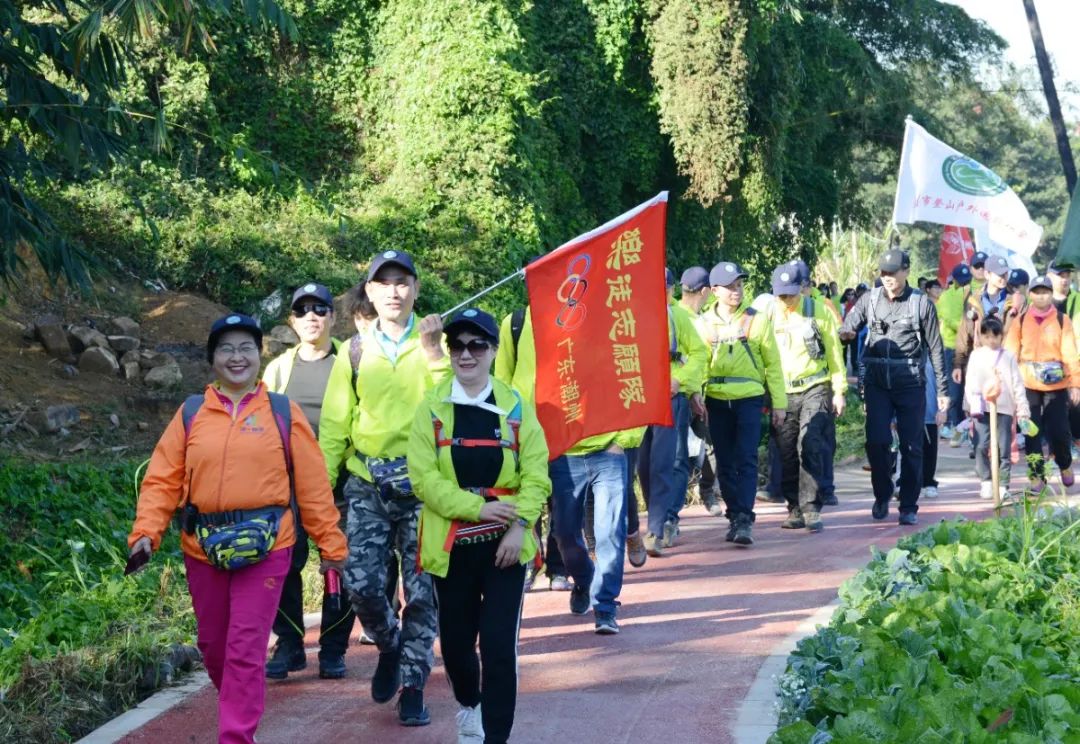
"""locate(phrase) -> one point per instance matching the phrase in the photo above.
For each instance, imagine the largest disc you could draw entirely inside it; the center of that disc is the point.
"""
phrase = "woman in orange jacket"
(1044, 345)
(225, 463)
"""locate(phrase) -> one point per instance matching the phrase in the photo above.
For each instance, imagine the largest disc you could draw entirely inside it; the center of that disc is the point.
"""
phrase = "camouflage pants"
(376, 526)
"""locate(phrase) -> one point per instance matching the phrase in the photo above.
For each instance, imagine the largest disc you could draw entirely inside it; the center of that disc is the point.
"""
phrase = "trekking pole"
(478, 295)
(995, 458)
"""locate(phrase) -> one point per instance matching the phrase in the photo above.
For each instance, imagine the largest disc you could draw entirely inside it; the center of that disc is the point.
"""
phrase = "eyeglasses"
(476, 347)
(319, 308)
(229, 349)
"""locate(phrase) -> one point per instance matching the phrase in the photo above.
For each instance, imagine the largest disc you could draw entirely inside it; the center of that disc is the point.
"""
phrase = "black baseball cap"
(695, 279)
(232, 322)
(313, 290)
(726, 272)
(979, 259)
(394, 258)
(1018, 277)
(961, 274)
(669, 277)
(1055, 268)
(473, 320)
(997, 265)
(894, 259)
(1041, 281)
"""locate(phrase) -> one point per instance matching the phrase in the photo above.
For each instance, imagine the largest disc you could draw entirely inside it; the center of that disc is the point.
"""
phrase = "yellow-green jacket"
(800, 371)
(689, 369)
(517, 368)
(950, 310)
(373, 416)
(627, 439)
(733, 372)
(431, 471)
(278, 372)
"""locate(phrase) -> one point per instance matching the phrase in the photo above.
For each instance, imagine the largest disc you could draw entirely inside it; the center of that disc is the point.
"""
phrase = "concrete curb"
(161, 701)
(757, 715)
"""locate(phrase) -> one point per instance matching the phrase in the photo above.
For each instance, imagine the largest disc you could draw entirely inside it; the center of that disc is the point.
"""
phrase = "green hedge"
(965, 632)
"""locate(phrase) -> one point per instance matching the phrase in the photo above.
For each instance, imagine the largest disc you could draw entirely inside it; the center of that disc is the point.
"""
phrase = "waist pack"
(1048, 373)
(390, 476)
(239, 539)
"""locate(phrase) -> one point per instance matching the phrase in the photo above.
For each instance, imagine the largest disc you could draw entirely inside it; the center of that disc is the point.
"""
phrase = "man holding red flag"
(600, 315)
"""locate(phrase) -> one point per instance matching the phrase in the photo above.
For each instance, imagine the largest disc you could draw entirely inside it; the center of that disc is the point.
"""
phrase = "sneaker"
(794, 520)
(331, 667)
(730, 536)
(986, 490)
(387, 678)
(287, 657)
(764, 495)
(671, 531)
(530, 577)
(880, 509)
(744, 528)
(653, 545)
(716, 509)
(365, 639)
(946, 432)
(1067, 478)
(957, 438)
(635, 550)
(605, 624)
(813, 522)
(830, 500)
(470, 726)
(971, 455)
(908, 518)
(558, 583)
(411, 709)
(930, 492)
(580, 601)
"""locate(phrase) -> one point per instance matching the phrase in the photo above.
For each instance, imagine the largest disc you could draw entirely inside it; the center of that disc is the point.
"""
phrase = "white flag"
(938, 184)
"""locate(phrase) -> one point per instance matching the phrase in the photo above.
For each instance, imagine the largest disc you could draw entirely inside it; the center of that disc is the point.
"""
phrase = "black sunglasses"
(476, 347)
(319, 308)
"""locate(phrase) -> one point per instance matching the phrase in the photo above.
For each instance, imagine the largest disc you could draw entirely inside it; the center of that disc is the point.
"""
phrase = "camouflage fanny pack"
(233, 540)
(390, 476)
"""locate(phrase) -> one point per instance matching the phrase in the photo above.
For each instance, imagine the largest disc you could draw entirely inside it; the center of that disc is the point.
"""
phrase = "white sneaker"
(986, 490)
(470, 726)
(930, 492)
(1003, 492)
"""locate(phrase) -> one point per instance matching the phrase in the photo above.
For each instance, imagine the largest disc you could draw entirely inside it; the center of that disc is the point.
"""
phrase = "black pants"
(908, 406)
(807, 442)
(929, 456)
(1049, 412)
(479, 600)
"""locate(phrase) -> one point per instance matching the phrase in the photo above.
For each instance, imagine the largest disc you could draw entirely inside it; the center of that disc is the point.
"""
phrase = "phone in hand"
(135, 561)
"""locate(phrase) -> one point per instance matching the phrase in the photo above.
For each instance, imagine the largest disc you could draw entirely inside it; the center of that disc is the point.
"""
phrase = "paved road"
(697, 626)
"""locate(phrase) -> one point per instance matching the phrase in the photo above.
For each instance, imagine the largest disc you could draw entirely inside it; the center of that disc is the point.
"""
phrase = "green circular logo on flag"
(970, 177)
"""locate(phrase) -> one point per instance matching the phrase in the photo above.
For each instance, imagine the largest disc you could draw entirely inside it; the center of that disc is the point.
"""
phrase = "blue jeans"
(664, 467)
(956, 393)
(604, 473)
(632, 522)
(736, 430)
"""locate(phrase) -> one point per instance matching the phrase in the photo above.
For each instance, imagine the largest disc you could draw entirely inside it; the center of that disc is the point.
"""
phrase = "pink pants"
(235, 610)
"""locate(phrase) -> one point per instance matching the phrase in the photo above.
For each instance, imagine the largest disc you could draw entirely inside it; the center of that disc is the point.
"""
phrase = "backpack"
(517, 325)
(511, 442)
(745, 323)
(356, 351)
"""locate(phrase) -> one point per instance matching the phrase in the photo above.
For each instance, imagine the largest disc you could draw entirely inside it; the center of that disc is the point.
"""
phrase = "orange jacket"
(1049, 341)
(228, 463)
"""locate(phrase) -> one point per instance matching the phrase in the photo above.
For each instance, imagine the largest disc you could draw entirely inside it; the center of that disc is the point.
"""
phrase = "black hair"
(931, 284)
(992, 326)
(358, 303)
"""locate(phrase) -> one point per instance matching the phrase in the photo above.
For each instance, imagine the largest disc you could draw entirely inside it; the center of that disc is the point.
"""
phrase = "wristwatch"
(523, 522)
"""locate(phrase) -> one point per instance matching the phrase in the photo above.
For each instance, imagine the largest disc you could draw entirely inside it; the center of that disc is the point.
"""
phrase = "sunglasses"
(319, 308)
(476, 347)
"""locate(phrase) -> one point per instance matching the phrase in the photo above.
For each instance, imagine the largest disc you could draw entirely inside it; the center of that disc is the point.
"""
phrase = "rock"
(143, 426)
(166, 376)
(124, 343)
(129, 356)
(67, 372)
(124, 326)
(132, 370)
(99, 361)
(82, 338)
(58, 417)
(114, 420)
(151, 359)
(53, 337)
(285, 335)
(272, 347)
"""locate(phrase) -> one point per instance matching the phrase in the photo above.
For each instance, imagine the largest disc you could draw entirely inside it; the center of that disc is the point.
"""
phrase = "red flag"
(956, 248)
(599, 313)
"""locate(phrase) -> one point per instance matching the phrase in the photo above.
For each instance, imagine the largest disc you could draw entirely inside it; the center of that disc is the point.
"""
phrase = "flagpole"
(478, 295)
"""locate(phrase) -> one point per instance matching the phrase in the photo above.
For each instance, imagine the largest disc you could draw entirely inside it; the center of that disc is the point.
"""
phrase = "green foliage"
(79, 642)
(965, 631)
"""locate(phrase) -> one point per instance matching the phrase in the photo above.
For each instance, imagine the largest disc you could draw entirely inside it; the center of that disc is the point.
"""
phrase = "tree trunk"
(1047, 75)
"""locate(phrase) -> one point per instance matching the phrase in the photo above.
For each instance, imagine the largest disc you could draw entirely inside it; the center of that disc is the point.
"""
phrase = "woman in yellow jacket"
(478, 462)
(224, 462)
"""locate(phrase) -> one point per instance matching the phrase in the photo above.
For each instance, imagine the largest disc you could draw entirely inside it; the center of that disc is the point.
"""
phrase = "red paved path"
(696, 626)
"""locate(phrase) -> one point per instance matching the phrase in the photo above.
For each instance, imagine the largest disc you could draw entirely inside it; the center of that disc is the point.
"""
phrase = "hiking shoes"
(813, 522)
(830, 500)
(908, 518)
(365, 639)
(559, 583)
(730, 536)
(470, 725)
(635, 550)
(930, 492)
(794, 521)
(387, 678)
(1067, 477)
(331, 667)
(411, 709)
(653, 545)
(880, 509)
(744, 528)
(580, 601)
(764, 495)
(287, 657)
(717, 508)
(671, 531)
(605, 624)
